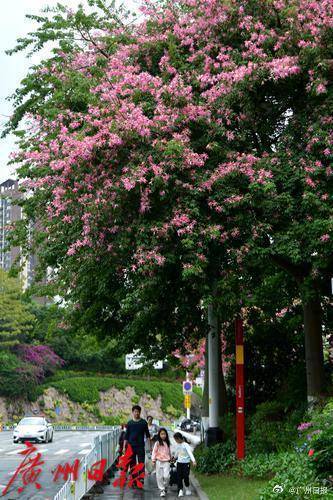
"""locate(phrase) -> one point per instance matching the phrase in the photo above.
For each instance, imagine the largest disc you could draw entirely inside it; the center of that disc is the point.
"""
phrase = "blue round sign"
(187, 386)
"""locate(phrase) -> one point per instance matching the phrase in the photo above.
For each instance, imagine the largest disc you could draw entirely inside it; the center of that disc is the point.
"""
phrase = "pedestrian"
(149, 443)
(122, 439)
(161, 458)
(153, 429)
(137, 429)
(184, 456)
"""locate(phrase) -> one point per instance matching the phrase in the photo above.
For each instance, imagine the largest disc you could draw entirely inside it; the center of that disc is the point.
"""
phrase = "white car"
(34, 429)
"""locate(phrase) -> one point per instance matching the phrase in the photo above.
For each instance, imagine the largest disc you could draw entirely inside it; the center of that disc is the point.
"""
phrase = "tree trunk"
(313, 349)
(205, 397)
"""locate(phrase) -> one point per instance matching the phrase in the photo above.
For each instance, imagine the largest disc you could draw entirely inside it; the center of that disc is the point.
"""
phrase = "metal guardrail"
(71, 427)
(105, 446)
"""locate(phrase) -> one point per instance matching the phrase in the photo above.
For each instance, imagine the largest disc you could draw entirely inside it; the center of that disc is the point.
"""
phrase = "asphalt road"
(66, 446)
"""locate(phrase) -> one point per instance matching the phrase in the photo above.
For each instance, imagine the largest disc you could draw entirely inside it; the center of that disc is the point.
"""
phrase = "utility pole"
(214, 433)
(240, 399)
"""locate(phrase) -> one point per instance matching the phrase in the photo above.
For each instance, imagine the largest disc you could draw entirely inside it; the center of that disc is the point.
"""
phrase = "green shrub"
(319, 438)
(270, 411)
(322, 446)
(85, 389)
(261, 466)
(228, 424)
(295, 476)
(271, 437)
(113, 420)
(271, 429)
(17, 379)
(215, 459)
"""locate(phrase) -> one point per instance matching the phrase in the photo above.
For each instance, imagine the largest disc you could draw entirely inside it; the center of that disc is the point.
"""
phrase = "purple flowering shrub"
(42, 357)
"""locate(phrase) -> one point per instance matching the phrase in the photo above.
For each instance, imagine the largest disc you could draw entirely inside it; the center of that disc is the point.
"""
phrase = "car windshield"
(32, 421)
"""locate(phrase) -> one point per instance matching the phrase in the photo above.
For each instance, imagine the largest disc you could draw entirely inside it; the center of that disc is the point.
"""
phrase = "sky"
(13, 25)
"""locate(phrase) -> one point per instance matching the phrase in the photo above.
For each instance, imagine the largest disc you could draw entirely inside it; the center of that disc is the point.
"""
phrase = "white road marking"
(61, 452)
(67, 440)
(15, 452)
(43, 450)
(84, 452)
(84, 445)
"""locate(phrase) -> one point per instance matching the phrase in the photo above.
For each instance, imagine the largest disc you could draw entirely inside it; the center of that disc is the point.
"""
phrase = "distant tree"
(16, 320)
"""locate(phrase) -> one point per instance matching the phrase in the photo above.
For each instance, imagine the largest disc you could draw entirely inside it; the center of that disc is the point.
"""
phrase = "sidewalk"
(150, 492)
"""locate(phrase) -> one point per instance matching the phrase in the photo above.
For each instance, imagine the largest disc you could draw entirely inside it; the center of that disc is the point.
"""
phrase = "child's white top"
(184, 454)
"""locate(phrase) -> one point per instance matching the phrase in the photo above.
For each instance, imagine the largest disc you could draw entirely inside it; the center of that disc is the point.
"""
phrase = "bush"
(216, 459)
(85, 389)
(261, 466)
(295, 476)
(270, 430)
(228, 424)
(322, 457)
(317, 436)
(17, 379)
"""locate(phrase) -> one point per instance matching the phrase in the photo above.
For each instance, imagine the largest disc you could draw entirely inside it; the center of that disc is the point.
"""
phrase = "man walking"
(137, 429)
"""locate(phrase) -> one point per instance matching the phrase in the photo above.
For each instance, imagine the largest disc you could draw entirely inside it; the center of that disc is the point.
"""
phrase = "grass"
(224, 487)
(85, 389)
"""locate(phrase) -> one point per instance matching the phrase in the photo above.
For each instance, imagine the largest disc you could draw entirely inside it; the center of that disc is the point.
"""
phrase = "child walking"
(184, 457)
(161, 457)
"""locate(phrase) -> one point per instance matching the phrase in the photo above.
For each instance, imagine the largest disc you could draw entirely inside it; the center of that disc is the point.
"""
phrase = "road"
(66, 446)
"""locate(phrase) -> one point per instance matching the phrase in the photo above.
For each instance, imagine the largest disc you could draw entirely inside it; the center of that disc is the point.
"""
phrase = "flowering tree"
(190, 145)
(41, 356)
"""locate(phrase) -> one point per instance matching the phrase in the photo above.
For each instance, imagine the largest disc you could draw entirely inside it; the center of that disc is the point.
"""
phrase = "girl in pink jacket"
(161, 456)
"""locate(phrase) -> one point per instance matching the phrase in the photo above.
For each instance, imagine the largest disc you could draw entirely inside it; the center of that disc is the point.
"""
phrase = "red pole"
(240, 400)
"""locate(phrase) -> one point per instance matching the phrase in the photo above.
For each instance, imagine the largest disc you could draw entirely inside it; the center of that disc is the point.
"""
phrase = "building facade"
(11, 212)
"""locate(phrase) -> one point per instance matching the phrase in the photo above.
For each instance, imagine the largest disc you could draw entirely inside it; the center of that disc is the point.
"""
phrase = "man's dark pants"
(138, 456)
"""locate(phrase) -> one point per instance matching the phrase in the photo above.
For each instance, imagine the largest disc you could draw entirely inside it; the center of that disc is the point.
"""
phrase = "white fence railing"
(105, 446)
(72, 427)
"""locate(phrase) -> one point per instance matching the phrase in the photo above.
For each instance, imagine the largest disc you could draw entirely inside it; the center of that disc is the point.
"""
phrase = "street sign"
(187, 401)
(187, 387)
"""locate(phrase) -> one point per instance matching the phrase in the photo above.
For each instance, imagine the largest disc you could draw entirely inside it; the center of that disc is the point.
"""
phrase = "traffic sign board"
(187, 387)
(187, 401)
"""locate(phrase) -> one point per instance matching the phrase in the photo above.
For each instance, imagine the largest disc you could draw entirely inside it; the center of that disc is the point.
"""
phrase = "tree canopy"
(16, 320)
(178, 155)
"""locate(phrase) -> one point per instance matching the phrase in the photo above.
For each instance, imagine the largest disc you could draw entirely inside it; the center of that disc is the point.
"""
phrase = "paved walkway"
(150, 492)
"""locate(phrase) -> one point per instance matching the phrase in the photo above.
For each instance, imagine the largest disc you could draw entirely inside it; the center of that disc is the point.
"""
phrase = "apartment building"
(9, 213)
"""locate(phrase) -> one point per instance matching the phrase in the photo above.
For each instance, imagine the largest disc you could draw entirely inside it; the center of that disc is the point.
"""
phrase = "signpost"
(187, 401)
(187, 387)
(240, 400)
(187, 391)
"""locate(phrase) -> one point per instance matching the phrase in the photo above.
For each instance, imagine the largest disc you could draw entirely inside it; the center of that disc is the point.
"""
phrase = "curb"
(199, 491)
